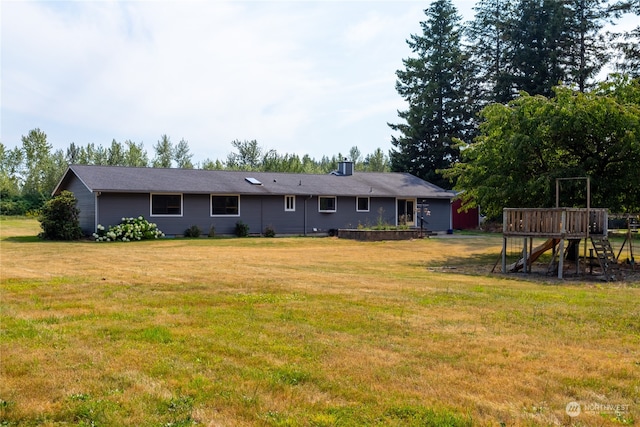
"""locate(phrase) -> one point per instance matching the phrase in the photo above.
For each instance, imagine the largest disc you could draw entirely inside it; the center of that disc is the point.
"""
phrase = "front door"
(406, 212)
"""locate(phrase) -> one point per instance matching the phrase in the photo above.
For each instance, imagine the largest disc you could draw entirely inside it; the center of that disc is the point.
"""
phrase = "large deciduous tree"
(182, 155)
(116, 155)
(164, 152)
(248, 157)
(525, 145)
(37, 153)
(42, 168)
(135, 154)
(376, 162)
(435, 85)
(10, 161)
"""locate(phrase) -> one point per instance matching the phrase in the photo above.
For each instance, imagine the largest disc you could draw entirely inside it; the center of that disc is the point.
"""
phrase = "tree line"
(499, 107)
(30, 172)
(526, 92)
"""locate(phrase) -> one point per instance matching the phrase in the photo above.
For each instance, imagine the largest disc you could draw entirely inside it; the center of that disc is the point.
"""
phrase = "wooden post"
(561, 258)
(530, 250)
(586, 237)
(524, 255)
(504, 255)
(563, 227)
(504, 240)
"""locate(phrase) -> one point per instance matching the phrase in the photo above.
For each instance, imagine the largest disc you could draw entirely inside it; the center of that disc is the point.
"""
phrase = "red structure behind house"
(469, 220)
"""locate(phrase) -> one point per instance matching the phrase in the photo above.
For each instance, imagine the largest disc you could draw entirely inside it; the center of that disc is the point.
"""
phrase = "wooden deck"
(561, 223)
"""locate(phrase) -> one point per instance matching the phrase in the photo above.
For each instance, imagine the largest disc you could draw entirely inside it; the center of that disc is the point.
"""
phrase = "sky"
(299, 77)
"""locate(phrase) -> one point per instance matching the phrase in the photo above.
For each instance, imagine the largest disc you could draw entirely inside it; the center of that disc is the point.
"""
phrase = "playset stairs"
(606, 258)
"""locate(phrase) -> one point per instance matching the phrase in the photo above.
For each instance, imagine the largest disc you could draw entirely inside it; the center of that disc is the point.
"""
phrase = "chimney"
(345, 168)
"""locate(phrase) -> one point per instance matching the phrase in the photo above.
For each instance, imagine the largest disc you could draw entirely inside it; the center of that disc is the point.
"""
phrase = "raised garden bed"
(378, 235)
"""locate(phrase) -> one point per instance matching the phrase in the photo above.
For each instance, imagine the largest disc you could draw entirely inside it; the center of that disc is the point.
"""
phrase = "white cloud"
(292, 75)
(306, 77)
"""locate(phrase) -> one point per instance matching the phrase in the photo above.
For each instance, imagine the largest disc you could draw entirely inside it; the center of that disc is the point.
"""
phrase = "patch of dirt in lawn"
(540, 274)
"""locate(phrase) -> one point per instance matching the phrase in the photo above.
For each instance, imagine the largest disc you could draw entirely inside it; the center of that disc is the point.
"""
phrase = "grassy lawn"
(304, 331)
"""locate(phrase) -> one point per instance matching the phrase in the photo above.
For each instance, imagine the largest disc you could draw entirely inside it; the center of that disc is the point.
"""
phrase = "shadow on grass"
(25, 239)
(468, 260)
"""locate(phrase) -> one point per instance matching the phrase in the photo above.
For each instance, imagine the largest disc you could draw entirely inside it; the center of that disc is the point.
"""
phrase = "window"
(327, 203)
(362, 204)
(225, 205)
(289, 203)
(166, 205)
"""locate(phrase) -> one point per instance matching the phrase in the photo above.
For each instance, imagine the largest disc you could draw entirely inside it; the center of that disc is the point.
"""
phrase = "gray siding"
(86, 204)
(440, 218)
(260, 212)
(112, 207)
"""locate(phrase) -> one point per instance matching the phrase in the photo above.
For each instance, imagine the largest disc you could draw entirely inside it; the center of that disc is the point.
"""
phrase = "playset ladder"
(606, 258)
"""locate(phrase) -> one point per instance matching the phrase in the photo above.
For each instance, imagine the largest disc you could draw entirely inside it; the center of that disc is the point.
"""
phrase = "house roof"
(197, 181)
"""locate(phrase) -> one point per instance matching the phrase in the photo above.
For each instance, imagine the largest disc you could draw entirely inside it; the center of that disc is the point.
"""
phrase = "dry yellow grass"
(303, 331)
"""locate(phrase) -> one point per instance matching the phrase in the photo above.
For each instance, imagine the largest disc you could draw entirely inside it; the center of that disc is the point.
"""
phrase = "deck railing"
(554, 222)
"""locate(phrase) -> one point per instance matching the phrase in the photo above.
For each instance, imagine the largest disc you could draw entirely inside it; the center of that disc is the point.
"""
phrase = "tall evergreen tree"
(435, 84)
(585, 49)
(538, 35)
(627, 44)
(490, 48)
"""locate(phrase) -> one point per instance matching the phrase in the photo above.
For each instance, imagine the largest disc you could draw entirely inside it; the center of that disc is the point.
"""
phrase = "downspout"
(451, 214)
(305, 214)
(396, 214)
(97, 213)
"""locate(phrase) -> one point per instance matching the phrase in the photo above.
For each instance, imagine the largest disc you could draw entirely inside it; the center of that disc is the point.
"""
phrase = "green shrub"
(59, 218)
(13, 207)
(242, 229)
(129, 229)
(269, 231)
(193, 231)
(19, 205)
(212, 231)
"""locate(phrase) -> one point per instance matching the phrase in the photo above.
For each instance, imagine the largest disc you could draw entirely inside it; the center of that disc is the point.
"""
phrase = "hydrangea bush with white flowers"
(129, 229)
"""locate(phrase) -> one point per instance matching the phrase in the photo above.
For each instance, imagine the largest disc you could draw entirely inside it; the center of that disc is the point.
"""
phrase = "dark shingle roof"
(197, 181)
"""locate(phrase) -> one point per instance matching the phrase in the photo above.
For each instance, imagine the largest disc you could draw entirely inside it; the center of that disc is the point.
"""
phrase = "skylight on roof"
(253, 181)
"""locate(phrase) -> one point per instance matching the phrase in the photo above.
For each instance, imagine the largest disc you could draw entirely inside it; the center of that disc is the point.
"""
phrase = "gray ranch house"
(289, 203)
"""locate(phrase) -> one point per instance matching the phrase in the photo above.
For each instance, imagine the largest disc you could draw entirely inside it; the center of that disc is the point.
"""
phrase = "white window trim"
(151, 214)
(368, 204)
(286, 205)
(328, 197)
(211, 196)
